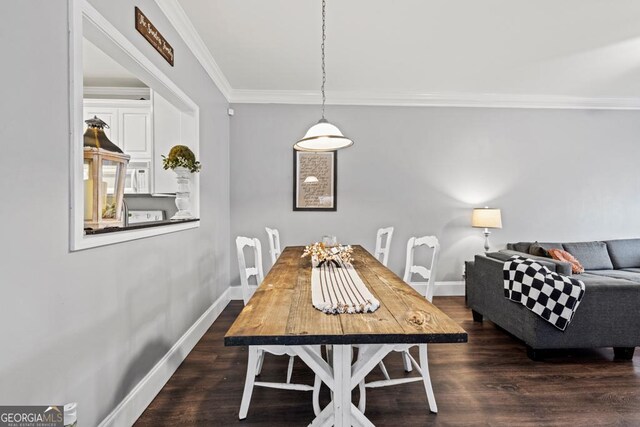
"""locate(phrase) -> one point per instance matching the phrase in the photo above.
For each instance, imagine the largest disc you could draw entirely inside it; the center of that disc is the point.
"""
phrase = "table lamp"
(486, 218)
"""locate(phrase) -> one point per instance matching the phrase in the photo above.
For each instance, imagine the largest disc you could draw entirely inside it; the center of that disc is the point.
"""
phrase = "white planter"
(183, 176)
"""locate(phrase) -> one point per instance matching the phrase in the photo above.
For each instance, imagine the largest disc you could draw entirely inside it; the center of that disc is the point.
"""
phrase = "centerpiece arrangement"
(183, 162)
(321, 254)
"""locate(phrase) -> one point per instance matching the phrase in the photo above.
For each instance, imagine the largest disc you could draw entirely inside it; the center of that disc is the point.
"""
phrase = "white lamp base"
(486, 239)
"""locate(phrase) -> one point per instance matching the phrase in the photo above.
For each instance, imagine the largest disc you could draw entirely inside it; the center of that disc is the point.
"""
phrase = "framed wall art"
(315, 180)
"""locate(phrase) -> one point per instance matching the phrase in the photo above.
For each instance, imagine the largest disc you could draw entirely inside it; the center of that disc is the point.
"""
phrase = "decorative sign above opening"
(153, 36)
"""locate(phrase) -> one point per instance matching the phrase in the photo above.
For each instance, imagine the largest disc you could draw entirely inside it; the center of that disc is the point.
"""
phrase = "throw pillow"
(537, 250)
(560, 255)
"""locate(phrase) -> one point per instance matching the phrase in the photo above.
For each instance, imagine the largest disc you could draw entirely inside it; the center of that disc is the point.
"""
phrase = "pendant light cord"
(324, 37)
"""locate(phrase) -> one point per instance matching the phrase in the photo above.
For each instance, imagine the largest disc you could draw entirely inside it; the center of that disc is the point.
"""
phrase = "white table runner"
(340, 290)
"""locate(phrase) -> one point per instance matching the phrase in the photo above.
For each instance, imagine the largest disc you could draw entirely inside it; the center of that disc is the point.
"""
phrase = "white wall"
(87, 326)
(557, 175)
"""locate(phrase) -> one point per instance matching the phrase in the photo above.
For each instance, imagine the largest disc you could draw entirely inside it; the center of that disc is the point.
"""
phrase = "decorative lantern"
(105, 167)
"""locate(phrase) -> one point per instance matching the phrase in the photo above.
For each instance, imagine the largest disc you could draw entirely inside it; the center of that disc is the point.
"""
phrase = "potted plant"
(183, 162)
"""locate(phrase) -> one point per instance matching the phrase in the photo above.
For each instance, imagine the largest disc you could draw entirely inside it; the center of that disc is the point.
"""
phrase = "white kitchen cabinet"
(131, 129)
(129, 123)
(109, 115)
(146, 130)
(134, 131)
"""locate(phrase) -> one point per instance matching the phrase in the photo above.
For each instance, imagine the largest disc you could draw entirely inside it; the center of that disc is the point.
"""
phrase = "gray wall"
(556, 174)
(87, 326)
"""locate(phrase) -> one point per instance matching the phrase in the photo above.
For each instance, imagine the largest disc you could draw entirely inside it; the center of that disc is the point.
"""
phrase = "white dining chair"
(422, 367)
(383, 234)
(427, 274)
(246, 273)
(274, 243)
(257, 353)
(383, 250)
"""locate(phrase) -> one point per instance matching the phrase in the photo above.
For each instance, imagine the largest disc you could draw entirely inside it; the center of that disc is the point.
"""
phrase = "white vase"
(183, 175)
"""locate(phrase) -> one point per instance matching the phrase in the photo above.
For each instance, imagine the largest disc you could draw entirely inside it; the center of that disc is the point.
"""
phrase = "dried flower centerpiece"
(321, 254)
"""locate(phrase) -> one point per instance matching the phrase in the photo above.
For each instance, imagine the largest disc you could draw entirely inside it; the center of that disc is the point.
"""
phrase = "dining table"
(281, 313)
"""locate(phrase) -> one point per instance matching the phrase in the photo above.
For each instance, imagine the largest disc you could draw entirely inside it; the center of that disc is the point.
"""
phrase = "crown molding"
(185, 28)
(179, 19)
(482, 100)
(120, 91)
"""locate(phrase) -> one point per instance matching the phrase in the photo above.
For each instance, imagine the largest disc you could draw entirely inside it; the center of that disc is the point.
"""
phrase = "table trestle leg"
(342, 378)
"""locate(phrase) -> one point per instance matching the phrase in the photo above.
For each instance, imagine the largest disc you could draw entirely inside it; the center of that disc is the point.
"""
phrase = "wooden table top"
(280, 311)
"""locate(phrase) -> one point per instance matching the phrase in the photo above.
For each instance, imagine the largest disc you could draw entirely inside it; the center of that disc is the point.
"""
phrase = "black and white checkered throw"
(552, 296)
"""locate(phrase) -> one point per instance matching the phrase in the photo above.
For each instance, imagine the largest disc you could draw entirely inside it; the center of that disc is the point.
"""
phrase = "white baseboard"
(442, 289)
(235, 293)
(134, 403)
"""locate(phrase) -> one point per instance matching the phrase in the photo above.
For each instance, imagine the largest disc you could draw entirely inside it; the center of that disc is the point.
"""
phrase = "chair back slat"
(427, 273)
(383, 250)
(422, 271)
(247, 272)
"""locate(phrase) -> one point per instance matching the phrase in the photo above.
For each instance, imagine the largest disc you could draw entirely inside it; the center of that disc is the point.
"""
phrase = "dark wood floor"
(487, 382)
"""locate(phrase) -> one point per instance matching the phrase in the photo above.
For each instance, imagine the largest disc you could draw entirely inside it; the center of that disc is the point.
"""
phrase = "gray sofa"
(608, 316)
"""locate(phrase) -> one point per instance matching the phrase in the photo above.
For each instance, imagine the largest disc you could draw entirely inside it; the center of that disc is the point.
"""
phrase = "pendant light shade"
(323, 136)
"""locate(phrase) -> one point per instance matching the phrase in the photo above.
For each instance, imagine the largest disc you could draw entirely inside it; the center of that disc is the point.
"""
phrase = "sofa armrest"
(560, 267)
(485, 295)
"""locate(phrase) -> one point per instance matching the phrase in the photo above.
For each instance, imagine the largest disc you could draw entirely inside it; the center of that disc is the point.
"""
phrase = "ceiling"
(100, 70)
(454, 48)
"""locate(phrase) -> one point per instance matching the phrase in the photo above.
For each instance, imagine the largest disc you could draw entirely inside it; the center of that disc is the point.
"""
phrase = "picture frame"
(315, 180)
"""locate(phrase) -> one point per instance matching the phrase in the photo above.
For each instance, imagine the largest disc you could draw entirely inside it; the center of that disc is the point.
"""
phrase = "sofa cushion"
(519, 246)
(624, 253)
(592, 255)
(632, 276)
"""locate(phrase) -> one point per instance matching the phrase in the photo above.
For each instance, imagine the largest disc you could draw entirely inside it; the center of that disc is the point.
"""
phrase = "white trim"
(117, 102)
(183, 25)
(117, 91)
(235, 293)
(441, 289)
(76, 106)
(185, 28)
(107, 37)
(408, 99)
(134, 403)
(96, 240)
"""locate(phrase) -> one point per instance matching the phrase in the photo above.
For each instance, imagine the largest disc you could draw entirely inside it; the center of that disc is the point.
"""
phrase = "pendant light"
(323, 136)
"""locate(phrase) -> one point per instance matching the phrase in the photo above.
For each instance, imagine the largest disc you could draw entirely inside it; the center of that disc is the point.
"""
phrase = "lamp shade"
(323, 136)
(486, 218)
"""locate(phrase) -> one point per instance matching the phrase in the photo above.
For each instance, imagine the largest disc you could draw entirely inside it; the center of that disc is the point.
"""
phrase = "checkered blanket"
(550, 295)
